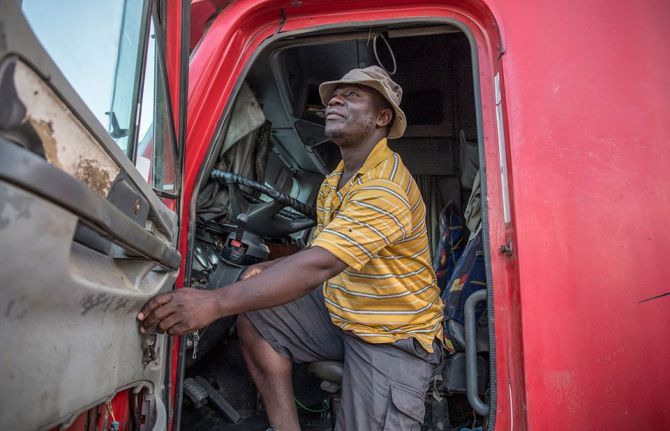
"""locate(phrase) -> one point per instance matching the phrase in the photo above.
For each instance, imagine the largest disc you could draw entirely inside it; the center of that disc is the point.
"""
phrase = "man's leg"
(384, 385)
(273, 338)
(271, 373)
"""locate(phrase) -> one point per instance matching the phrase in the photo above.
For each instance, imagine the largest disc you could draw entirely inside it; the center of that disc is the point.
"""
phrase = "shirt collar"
(379, 153)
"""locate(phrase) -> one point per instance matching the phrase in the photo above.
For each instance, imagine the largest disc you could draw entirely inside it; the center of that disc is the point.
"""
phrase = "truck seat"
(329, 371)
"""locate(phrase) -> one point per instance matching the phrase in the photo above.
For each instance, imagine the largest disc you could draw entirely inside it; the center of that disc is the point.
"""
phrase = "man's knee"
(251, 340)
(246, 330)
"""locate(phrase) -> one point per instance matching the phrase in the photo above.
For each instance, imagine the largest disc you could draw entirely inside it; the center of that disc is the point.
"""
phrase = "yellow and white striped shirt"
(376, 224)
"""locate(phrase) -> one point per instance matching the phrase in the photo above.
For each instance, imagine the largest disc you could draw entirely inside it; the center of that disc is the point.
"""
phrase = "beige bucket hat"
(374, 77)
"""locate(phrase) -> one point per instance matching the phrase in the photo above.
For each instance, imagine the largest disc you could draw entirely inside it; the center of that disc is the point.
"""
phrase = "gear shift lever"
(242, 220)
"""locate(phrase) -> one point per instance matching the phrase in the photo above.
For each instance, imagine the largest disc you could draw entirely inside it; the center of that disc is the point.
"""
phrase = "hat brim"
(399, 125)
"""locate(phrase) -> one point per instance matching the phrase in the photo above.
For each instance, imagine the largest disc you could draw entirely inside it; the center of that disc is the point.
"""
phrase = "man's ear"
(385, 117)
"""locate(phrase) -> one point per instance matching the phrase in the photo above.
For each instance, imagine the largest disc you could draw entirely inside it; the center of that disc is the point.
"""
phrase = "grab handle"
(472, 387)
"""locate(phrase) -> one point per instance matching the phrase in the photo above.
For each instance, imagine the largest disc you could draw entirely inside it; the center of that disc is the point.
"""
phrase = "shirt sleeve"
(375, 216)
(319, 214)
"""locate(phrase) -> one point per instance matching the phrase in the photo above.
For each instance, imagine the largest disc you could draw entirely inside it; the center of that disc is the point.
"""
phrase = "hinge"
(151, 350)
(152, 413)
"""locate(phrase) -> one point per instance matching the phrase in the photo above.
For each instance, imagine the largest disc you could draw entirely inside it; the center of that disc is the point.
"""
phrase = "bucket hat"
(374, 77)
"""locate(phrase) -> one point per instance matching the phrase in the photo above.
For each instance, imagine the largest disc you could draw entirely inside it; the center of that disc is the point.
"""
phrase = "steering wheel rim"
(264, 218)
(279, 196)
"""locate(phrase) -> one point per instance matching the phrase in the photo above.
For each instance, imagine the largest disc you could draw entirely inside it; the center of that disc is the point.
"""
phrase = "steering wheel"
(265, 219)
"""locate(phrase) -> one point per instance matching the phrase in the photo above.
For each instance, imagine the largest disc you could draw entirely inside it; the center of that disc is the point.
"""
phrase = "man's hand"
(273, 283)
(179, 312)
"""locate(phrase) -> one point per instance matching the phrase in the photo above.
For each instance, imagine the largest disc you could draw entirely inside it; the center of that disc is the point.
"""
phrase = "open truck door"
(89, 187)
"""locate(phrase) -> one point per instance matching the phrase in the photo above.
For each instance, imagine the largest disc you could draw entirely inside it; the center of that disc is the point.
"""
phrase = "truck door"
(89, 181)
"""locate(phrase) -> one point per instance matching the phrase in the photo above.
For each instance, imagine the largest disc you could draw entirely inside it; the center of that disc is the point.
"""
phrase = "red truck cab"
(562, 109)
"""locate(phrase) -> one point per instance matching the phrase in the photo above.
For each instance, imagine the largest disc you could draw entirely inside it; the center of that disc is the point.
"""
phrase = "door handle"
(32, 173)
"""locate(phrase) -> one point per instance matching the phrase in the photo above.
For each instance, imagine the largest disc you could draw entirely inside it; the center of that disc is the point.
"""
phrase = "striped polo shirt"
(376, 224)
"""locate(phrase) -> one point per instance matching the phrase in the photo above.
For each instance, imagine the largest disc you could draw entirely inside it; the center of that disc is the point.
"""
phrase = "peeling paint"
(91, 173)
(45, 131)
(67, 143)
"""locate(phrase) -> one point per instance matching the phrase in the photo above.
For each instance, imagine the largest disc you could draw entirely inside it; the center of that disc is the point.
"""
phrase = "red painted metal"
(587, 132)
(173, 59)
(587, 89)
(236, 34)
(201, 12)
(119, 409)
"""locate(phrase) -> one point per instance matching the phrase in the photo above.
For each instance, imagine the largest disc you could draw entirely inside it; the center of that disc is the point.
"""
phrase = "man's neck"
(354, 156)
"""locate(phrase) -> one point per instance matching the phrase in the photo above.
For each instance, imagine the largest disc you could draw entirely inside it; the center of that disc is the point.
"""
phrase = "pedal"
(218, 401)
(195, 392)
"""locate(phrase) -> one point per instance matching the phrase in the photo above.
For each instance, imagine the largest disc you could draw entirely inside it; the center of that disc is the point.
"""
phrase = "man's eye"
(351, 94)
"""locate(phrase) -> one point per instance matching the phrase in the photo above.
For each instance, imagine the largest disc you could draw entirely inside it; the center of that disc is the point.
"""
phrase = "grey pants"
(383, 385)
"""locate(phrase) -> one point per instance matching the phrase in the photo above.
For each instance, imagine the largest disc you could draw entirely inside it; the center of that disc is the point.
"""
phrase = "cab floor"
(206, 419)
(224, 367)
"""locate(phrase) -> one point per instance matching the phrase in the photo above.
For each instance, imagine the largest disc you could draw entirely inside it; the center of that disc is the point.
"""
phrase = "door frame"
(217, 71)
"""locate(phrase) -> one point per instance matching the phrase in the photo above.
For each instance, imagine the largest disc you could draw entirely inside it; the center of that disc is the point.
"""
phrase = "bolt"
(506, 249)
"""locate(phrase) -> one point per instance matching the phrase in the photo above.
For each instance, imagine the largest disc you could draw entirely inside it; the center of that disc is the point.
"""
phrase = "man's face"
(352, 113)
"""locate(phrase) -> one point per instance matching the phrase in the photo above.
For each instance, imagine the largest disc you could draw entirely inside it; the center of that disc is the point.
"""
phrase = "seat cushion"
(327, 370)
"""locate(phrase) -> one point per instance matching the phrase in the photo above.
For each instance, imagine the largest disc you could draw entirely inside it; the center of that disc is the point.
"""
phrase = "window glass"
(96, 44)
(156, 155)
(99, 48)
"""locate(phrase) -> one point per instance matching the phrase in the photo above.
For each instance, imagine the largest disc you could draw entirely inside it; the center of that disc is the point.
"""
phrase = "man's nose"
(335, 99)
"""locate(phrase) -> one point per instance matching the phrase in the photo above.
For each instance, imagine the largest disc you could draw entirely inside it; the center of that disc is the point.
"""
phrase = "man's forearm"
(186, 310)
(270, 263)
(285, 280)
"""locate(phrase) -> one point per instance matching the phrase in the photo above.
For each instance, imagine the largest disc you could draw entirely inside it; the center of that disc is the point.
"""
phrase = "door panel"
(85, 242)
(102, 222)
(69, 333)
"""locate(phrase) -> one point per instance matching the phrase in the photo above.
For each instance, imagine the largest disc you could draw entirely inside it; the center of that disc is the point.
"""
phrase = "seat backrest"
(450, 246)
(469, 272)
(468, 277)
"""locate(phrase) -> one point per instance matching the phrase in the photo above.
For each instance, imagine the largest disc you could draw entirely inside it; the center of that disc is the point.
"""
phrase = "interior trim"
(32, 173)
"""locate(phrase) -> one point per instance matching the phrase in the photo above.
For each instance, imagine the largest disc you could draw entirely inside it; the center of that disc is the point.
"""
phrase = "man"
(377, 306)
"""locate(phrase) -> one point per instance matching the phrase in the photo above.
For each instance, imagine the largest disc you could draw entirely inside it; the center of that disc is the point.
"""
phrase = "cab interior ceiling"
(434, 68)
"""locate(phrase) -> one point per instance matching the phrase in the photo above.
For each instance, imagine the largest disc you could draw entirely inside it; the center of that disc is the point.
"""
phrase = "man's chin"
(334, 133)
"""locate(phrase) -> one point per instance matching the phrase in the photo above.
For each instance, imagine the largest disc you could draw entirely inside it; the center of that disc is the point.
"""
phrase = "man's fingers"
(178, 312)
(157, 316)
(152, 304)
(155, 310)
(165, 324)
(179, 329)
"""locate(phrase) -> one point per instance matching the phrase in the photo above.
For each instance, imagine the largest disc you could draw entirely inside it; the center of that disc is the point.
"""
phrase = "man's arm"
(186, 310)
(257, 268)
